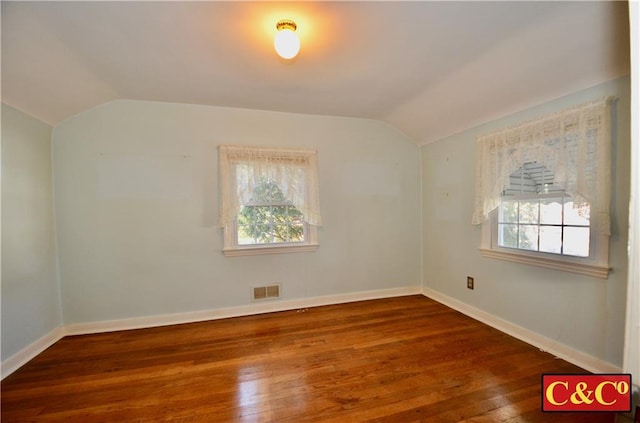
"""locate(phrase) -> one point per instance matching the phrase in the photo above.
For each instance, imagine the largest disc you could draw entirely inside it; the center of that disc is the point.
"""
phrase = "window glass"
(269, 218)
(576, 216)
(528, 237)
(528, 211)
(508, 235)
(551, 211)
(533, 217)
(509, 211)
(560, 230)
(551, 239)
(576, 241)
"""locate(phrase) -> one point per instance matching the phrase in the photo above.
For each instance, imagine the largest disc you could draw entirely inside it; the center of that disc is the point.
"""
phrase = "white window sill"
(567, 265)
(271, 249)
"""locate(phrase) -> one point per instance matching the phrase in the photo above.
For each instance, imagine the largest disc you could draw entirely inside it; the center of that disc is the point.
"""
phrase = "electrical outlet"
(469, 282)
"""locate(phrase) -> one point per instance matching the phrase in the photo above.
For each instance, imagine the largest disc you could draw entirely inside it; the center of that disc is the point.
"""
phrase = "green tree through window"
(269, 217)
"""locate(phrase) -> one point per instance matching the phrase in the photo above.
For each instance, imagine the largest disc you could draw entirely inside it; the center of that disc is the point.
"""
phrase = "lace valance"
(574, 144)
(242, 168)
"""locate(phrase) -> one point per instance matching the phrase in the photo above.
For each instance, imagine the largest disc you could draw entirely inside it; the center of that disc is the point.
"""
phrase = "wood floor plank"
(405, 359)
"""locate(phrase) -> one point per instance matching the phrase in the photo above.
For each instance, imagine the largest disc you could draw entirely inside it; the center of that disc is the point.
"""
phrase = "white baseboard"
(14, 362)
(26, 354)
(565, 352)
(224, 313)
(560, 350)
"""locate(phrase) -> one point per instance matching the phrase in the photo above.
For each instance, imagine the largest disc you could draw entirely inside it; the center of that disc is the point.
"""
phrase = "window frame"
(595, 265)
(310, 242)
(231, 247)
(563, 197)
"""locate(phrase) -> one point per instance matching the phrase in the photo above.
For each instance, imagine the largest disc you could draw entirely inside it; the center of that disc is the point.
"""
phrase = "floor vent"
(266, 292)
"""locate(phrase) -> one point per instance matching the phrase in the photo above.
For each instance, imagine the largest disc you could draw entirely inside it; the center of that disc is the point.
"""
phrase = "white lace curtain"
(242, 168)
(575, 144)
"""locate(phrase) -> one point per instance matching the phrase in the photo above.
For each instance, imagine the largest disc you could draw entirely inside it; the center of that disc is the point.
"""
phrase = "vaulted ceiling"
(431, 69)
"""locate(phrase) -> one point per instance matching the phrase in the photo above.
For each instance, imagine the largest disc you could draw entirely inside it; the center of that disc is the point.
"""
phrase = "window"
(269, 218)
(543, 191)
(269, 200)
(544, 224)
(536, 215)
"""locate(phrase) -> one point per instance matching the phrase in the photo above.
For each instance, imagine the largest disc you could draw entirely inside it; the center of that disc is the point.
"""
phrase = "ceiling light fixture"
(286, 43)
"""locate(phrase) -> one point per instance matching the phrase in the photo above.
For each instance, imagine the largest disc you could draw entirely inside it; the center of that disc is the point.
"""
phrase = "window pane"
(528, 211)
(551, 211)
(244, 237)
(573, 216)
(508, 236)
(528, 237)
(536, 215)
(268, 219)
(251, 214)
(551, 239)
(279, 214)
(508, 211)
(263, 232)
(576, 242)
(296, 232)
(280, 233)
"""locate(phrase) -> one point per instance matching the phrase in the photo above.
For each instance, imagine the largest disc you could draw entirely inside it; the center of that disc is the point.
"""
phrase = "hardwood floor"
(404, 359)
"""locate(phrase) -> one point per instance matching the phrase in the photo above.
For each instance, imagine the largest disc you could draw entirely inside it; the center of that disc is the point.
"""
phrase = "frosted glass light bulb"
(286, 43)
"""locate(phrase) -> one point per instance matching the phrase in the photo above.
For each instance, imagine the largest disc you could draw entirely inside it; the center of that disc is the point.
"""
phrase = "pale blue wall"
(582, 312)
(157, 252)
(30, 291)
(133, 252)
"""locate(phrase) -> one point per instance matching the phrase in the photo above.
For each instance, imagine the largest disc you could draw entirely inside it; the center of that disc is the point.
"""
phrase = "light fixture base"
(286, 24)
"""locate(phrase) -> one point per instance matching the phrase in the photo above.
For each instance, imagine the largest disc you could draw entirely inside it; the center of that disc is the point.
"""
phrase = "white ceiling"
(431, 69)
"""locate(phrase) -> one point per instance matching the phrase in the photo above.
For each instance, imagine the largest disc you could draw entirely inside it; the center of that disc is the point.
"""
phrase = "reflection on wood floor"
(404, 359)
